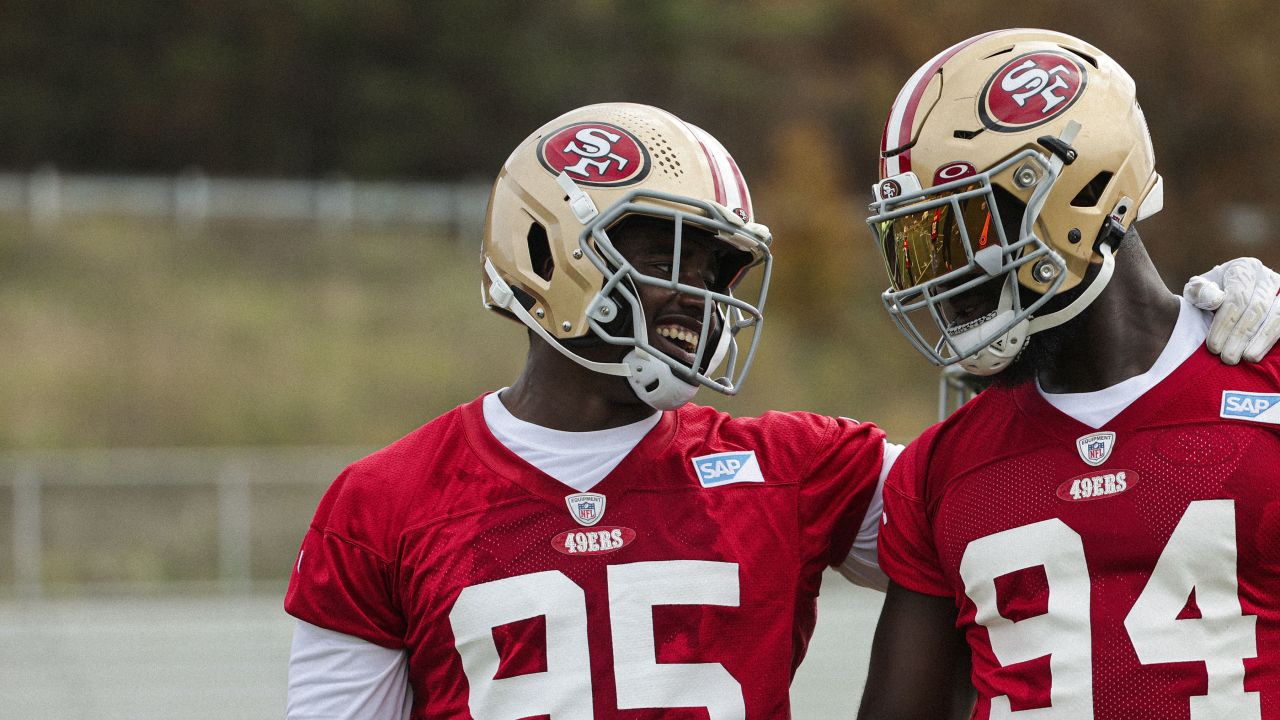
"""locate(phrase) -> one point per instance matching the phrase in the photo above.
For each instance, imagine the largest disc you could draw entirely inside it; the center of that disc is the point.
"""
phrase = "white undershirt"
(577, 459)
(862, 565)
(1097, 408)
(335, 676)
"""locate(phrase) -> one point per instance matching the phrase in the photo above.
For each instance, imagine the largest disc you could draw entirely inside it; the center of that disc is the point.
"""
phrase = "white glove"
(1243, 294)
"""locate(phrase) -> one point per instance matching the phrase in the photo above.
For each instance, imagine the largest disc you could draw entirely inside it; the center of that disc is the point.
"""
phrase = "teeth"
(678, 333)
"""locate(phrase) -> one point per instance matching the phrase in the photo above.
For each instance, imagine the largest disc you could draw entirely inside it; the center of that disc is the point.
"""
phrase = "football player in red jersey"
(585, 543)
(1098, 532)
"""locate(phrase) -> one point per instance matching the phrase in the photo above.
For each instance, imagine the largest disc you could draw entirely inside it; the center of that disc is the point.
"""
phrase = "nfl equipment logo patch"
(1095, 448)
(586, 508)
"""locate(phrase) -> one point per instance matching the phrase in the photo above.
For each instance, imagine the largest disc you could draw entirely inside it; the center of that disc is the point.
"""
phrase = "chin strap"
(997, 352)
(723, 342)
(504, 298)
(651, 379)
(1091, 293)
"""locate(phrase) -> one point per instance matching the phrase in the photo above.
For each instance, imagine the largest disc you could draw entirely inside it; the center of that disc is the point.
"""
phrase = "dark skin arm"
(919, 661)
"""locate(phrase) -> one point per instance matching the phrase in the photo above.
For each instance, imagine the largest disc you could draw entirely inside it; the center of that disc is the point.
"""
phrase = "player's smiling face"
(674, 319)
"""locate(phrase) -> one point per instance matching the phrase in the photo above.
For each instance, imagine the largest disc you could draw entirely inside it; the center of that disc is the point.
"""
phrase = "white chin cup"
(668, 391)
(996, 353)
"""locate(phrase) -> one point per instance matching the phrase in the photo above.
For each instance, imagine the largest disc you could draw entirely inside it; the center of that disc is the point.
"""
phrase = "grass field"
(224, 658)
(143, 332)
(128, 342)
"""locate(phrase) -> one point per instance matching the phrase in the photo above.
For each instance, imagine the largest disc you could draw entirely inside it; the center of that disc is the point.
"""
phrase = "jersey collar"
(1142, 412)
(651, 449)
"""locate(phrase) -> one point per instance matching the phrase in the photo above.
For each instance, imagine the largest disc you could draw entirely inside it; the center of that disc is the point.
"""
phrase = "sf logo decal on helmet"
(1030, 90)
(596, 154)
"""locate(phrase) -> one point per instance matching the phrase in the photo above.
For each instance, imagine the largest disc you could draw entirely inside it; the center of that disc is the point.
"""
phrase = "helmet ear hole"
(540, 252)
(1091, 194)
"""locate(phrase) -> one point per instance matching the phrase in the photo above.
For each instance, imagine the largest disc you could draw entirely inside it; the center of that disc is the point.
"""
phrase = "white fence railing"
(133, 519)
(47, 195)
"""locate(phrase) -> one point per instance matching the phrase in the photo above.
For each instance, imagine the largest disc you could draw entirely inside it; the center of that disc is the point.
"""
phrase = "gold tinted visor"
(925, 244)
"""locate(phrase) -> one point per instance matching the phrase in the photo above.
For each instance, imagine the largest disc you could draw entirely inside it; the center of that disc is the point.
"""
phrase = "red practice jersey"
(1131, 571)
(682, 586)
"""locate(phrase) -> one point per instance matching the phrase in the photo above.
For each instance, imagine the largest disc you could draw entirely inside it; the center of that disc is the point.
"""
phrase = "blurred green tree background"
(119, 331)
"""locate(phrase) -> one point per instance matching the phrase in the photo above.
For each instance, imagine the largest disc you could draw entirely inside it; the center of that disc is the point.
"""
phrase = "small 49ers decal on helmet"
(890, 189)
(595, 153)
(1031, 90)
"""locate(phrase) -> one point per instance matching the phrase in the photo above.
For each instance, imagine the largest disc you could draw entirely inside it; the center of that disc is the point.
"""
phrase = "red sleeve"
(342, 580)
(907, 551)
(837, 462)
(838, 486)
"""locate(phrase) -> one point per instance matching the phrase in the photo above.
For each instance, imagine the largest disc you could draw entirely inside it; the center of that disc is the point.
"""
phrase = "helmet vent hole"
(540, 252)
(651, 386)
(1083, 56)
(663, 154)
(1091, 194)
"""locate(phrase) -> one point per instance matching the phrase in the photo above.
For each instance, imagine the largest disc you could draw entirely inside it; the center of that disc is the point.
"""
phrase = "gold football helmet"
(1012, 120)
(550, 263)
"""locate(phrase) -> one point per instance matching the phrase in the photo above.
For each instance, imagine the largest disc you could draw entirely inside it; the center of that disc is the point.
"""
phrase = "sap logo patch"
(727, 467)
(1254, 407)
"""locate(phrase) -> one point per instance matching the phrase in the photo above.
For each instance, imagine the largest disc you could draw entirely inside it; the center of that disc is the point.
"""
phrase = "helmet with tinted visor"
(1010, 165)
(951, 243)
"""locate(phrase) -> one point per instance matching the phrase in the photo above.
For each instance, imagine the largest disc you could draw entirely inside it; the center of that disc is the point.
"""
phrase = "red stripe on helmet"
(715, 171)
(911, 103)
(743, 193)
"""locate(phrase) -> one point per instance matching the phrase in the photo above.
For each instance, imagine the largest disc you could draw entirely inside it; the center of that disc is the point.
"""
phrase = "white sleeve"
(862, 566)
(334, 676)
